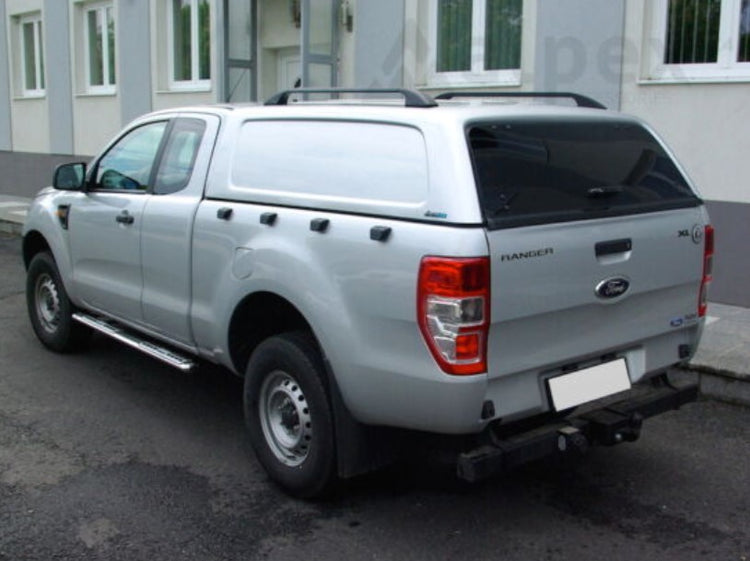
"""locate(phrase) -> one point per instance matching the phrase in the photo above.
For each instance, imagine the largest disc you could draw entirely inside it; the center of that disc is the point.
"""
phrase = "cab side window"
(178, 160)
(128, 164)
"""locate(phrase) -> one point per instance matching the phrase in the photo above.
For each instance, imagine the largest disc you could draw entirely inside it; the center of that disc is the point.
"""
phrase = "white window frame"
(109, 86)
(194, 84)
(477, 75)
(38, 54)
(726, 67)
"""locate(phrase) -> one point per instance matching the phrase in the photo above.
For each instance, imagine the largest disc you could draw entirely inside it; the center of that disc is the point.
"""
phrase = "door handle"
(125, 218)
(613, 246)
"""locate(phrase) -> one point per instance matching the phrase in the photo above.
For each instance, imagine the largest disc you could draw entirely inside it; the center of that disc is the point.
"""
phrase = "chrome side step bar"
(153, 350)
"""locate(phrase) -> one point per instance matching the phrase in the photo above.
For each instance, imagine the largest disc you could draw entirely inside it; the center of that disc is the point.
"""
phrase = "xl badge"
(612, 288)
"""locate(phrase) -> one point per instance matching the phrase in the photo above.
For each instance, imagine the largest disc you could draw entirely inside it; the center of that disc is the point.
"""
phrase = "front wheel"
(50, 309)
(288, 414)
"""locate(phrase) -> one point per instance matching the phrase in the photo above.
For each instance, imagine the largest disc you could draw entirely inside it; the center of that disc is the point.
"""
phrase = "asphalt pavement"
(109, 455)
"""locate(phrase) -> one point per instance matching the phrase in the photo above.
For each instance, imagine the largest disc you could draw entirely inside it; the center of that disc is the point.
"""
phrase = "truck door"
(105, 224)
(167, 225)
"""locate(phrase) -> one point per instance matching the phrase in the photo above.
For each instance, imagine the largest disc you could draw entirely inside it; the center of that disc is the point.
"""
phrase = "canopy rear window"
(555, 171)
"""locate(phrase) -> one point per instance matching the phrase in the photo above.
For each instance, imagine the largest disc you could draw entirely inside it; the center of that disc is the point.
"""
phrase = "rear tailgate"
(546, 310)
(596, 242)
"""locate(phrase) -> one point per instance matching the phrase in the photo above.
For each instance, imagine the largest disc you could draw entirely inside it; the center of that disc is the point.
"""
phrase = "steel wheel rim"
(47, 303)
(285, 418)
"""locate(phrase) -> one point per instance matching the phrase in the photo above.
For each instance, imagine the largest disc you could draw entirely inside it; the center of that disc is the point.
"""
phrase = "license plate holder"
(588, 384)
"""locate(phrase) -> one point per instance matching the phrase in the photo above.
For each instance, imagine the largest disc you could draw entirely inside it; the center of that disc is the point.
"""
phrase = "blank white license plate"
(570, 390)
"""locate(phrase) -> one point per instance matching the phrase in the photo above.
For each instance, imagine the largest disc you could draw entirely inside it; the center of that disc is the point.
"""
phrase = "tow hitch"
(614, 423)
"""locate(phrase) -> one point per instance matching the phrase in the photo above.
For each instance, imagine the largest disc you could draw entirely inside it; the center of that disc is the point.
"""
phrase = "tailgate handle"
(613, 246)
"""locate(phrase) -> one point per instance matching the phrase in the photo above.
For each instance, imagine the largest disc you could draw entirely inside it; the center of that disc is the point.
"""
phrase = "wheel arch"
(258, 316)
(33, 242)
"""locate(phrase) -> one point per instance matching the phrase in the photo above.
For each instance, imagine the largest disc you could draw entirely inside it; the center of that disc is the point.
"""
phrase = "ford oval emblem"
(612, 288)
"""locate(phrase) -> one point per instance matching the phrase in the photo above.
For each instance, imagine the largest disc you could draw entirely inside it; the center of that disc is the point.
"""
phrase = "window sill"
(684, 80)
(30, 96)
(509, 78)
(187, 87)
(709, 73)
(112, 93)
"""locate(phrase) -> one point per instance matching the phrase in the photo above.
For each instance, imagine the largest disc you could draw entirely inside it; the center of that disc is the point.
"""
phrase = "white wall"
(705, 124)
(97, 121)
(30, 122)
(580, 54)
(29, 116)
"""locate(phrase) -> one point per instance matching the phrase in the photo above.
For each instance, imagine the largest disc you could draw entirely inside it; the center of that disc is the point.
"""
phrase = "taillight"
(708, 266)
(453, 309)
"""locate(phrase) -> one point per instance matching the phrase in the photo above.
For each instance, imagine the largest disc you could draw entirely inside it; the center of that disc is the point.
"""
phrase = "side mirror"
(70, 177)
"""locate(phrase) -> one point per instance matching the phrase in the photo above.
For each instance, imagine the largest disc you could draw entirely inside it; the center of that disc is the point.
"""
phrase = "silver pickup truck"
(502, 273)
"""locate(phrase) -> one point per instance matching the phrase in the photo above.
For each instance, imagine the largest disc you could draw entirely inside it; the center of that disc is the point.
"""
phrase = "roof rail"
(581, 100)
(412, 98)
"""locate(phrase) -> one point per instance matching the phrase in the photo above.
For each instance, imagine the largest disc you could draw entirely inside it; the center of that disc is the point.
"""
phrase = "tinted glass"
(536, 172)
(692, 31)
(96, 76)
(204, 40)
(179, 156)
(743, 53)
(182, 39)
(454, 35)
(41, 56)
(502, 34)
(29, 57)
(127, 165)
(110, 44)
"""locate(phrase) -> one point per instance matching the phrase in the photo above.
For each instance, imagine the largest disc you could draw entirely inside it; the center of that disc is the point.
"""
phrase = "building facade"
(73, 72)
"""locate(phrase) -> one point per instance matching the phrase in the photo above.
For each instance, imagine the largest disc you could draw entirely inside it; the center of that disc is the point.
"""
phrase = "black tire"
(50, 309)
(288, 414)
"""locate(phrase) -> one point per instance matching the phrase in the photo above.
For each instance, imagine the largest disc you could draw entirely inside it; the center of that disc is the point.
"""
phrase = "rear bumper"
(603, 425)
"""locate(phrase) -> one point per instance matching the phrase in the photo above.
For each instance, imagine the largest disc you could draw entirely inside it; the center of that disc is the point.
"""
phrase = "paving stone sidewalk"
(12, 213)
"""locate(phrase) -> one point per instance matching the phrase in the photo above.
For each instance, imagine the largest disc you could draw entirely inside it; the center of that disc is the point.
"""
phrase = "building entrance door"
(290, 70)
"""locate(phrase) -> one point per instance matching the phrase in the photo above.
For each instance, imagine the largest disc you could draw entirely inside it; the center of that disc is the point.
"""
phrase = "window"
(700, 40)
(99, 28)
(543, 171)
(32, 56)
(127, 165)
(190, 40)
(179, 156)
(475, 41)
(743, 52)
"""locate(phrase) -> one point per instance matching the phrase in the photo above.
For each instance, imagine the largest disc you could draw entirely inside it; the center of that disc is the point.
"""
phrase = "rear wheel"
(288, 414)
(49, 307)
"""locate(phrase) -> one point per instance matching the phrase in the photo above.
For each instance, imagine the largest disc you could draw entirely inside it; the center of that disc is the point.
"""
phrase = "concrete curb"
(12, 214)
(10, 227)
(721, 385)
